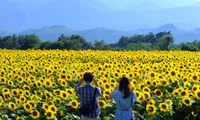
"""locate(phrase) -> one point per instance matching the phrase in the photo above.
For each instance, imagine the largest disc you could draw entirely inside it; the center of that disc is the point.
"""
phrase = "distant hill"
(17, 15)
(3, 32)
(49, 33)
(52, 33)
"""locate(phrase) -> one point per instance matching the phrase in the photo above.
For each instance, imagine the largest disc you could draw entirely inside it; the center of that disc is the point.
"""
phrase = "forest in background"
(159, 41)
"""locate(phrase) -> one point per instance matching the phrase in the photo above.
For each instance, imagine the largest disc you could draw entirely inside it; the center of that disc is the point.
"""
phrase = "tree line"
(160, 41)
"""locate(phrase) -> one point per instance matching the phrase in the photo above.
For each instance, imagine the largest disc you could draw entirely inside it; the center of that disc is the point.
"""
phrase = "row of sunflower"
(36, 84)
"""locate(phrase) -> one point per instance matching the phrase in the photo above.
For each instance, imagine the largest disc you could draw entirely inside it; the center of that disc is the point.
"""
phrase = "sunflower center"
(35, 113)
(74, 103)
(164, 106)
(187, 101)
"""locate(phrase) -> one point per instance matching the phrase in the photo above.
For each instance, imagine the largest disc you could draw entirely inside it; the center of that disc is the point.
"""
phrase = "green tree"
(137, 39)
(101, 45)
(45, 45)
(123, 41)
(150, 38)
(30, 41)
(7, 42)
(164, 42)
(189, 47)
(15, 42)
(57, 45)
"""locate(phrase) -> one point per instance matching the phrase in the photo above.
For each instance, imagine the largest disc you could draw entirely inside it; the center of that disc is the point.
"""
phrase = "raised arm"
(78, 85)
(116, 88)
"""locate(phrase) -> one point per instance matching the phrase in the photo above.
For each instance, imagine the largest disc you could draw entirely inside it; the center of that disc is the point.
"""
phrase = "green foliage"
(139, 46)
(193, 46)
(160, 41)
(20, 42)
(164, 42)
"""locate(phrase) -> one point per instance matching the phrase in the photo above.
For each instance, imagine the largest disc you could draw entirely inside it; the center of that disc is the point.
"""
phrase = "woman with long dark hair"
(124, 98)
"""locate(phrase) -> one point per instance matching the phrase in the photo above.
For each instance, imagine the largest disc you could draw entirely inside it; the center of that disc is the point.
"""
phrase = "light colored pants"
(85, 118)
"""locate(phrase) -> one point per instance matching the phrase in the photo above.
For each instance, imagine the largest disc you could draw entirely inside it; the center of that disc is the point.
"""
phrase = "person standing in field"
(89, 108)
(124, 98)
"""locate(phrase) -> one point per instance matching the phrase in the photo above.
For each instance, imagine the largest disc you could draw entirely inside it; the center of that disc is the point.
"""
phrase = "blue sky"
(125, 4)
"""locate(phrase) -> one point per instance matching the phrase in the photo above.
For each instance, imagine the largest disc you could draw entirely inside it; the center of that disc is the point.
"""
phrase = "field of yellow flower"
(36, 84)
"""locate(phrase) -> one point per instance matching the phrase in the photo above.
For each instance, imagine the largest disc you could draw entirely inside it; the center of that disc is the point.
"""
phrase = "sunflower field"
(39, 84)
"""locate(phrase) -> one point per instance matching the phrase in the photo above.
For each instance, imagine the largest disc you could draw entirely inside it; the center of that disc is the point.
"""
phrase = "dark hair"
(88, 77)
(124, 86)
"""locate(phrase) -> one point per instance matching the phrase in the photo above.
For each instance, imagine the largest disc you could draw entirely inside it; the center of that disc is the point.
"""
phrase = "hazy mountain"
(17, 15)
(109, 35)
(49, 33)
(53, 32)
(3, 32)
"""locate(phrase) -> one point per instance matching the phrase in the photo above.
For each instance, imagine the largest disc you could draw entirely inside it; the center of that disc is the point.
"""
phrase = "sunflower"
(187, 101)
(57, 92)
(17, 101)
(26, 87)
(5, 90)
(69, 91)
(3, 80)
(107, 86)
(69, 77)
(21, 92)
(11, 106)
(57, 101)
(20, 79)
(22, 99)
(39, 84)
(73, 104)
(184, 93)
(10, 83)
(63, 76)
(195, 78)
(64, 95)
(173, 73)
(39, 93)
(27, 107)
(175, 93)
(180, 105)
(52, 108)
(102, 103)
(32, 103)
(164, 107)
(194, 113)
(35, 114)
(148, 82)
(27, 93)
(14, 92)
(151, 109)
(151, 102)
(195, 87)
(19, 118)
(49, 114)
(48, 95)
(146, 89)
(169, 102)
(152, 75)
(48, 83)
(146, 95)
(45, 106)
(164, 82)
(7, 96)
(158, 92)
(63, 83)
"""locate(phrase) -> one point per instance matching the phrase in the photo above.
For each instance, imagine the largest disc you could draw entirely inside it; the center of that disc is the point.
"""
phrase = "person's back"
(124, 99)
(86, 94)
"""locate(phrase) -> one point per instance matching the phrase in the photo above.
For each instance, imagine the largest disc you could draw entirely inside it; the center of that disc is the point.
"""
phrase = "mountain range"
(18, 15)
(52, 33)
